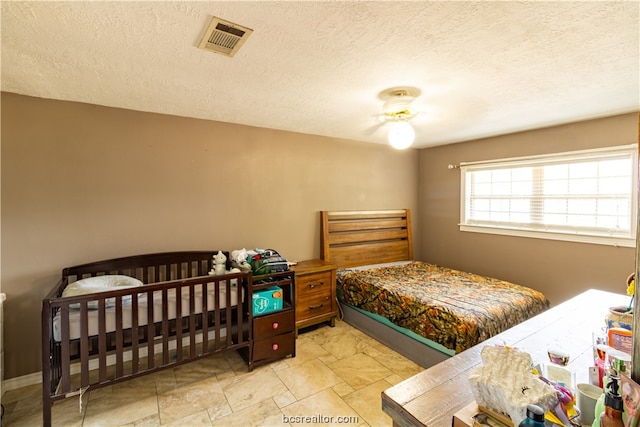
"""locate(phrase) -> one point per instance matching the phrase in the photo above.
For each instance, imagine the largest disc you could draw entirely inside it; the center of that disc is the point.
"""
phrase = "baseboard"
(36, 377)
(23, 381)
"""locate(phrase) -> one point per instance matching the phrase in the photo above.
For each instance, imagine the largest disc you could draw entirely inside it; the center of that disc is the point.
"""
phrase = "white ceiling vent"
(224, 37)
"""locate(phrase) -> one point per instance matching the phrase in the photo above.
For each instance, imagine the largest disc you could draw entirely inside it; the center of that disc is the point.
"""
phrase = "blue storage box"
(267, 300)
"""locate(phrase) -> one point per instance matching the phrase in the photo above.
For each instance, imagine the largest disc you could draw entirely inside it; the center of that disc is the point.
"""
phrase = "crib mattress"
(453, 308)
(110, 313)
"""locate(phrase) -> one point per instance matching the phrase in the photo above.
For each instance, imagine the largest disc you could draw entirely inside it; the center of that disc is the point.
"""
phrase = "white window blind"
(587, 196)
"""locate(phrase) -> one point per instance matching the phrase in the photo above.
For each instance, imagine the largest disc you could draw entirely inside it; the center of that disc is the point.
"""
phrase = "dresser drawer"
(273, 324)
(313, 305)
(314, 284)
(275, 347)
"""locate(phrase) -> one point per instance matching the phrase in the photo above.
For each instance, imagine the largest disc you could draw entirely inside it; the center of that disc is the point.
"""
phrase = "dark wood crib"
(180, 314)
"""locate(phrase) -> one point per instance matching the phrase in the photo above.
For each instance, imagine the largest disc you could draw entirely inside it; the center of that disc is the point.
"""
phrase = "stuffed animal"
(506, 384)
(219, 264)
(239, 259)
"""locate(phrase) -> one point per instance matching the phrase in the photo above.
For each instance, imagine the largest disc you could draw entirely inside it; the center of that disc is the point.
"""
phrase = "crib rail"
(150, 268)
(199, 315)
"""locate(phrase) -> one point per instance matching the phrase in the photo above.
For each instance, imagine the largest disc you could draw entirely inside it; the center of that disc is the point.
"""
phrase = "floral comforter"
(450, 307)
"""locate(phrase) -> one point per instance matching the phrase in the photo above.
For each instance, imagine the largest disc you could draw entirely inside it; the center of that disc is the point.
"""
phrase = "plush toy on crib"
(219, 264)
(239, 259)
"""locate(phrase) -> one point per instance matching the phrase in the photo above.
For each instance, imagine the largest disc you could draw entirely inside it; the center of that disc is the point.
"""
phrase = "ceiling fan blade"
(374, 128)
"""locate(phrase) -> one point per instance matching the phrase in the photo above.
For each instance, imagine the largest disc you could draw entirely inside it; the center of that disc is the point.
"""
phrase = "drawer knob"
(274, 347)
(313, 307)
(275, 325)
(313, 285)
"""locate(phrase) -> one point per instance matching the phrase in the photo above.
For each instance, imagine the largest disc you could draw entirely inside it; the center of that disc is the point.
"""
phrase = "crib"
(170, 312)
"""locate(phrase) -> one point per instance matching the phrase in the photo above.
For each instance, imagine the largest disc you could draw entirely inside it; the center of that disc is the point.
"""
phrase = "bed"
(114, 320)
(424, 311)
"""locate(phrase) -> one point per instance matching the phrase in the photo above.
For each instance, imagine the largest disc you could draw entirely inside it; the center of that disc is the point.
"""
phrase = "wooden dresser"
(315, 293)
(432, 397)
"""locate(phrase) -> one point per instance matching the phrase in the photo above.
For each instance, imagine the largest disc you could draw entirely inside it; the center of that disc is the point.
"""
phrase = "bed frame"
(146, 346)
(355, 238)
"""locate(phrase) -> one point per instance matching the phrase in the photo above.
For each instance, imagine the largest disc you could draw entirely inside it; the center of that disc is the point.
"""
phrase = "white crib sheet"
(110, 313)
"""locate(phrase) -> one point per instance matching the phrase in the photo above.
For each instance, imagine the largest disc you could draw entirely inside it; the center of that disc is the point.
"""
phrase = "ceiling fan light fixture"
(398, 106)
(401, 135)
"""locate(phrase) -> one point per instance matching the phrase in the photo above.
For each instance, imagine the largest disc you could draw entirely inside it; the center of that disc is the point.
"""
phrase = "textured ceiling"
(317, 67)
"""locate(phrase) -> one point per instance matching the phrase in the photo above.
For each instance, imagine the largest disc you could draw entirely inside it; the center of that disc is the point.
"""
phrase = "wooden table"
(432, 397)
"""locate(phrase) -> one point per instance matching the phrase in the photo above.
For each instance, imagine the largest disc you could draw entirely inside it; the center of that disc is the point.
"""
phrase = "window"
(585, 196)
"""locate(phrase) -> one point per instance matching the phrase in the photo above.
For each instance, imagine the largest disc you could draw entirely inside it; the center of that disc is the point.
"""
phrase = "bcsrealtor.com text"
(320, 419)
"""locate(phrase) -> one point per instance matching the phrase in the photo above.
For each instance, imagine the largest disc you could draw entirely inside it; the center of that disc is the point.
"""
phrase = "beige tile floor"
(337, 372)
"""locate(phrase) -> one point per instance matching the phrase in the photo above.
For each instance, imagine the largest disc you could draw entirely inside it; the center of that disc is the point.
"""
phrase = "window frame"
(580, 235)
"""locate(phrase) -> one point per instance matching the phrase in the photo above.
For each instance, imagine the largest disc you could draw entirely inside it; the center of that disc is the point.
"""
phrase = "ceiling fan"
(398, 110)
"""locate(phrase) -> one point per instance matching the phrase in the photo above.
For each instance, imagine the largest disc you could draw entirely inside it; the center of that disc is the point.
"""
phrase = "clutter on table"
(511, 389)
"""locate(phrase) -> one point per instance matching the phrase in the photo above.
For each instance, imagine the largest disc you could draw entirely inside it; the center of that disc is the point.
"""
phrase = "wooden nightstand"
(315, 293)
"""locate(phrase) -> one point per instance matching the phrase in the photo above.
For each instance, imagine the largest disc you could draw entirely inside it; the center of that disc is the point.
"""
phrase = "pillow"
(95, 284)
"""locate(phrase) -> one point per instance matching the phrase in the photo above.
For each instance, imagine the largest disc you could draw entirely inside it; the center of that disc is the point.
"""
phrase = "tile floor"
(337, 372)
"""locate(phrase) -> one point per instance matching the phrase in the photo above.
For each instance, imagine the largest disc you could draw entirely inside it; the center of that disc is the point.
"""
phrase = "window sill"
(567, 237)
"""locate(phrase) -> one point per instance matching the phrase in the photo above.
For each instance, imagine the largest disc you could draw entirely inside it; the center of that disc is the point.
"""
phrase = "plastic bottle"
(598, 411)
(535, 417)
(619, 362)
(613, 406)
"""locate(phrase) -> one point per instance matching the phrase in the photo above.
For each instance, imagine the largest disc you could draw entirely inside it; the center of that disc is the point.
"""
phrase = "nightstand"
(315, 293)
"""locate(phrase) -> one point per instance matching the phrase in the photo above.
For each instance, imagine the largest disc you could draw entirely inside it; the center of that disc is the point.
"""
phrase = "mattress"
(453, 308)
(143, 303)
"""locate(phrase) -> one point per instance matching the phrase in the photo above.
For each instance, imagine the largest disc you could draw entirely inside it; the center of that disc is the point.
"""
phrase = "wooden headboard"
(353, 238)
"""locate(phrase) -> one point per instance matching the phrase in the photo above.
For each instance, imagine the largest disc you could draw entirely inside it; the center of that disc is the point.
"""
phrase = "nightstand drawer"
(275, 347)
(314, 305)
(315, 293)
(273, 324)
(314, 284)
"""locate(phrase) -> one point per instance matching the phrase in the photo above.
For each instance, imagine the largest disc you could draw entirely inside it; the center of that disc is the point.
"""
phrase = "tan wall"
(559, 269)
(82, 183)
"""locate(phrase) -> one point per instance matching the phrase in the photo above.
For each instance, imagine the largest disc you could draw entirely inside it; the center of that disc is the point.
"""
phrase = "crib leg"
(46, 397)
(46, 410)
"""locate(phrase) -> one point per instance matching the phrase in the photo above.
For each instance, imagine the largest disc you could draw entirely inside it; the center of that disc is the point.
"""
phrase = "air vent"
(224, 37)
